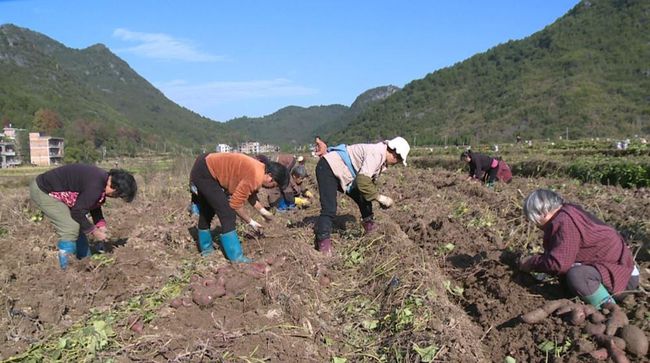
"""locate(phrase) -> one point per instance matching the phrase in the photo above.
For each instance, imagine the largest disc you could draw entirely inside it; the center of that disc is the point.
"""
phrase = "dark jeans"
(211, 198)
(328, 185)
(584, 280)
(491, 175)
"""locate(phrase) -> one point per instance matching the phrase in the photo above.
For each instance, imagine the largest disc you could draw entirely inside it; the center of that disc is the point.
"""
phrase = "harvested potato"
(577, 316)
(542, 313)
(594, 329)
(597, 317)
(534, 316)
(176, 303)
(616, 320)
(600, 354)
(635, 339)
(202, 297)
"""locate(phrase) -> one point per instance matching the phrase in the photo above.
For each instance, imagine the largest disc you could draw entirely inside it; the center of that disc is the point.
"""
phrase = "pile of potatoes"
(609, 327)
(226, 280)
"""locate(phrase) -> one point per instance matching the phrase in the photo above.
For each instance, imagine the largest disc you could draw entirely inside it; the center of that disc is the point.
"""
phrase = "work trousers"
(211, 198)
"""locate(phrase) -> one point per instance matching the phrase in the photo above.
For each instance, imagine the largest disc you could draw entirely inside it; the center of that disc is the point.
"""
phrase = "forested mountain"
(294, 125)
(587, 74)
(94, 97)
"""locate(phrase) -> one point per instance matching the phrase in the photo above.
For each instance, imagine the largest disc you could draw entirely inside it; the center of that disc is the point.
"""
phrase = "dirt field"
(436, 282)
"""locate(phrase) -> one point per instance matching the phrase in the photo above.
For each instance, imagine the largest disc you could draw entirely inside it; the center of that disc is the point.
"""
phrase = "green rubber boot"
(600, 297)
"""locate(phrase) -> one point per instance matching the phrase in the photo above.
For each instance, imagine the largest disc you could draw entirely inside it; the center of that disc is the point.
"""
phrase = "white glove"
(256, 226)
(266, 214)
(385, 201)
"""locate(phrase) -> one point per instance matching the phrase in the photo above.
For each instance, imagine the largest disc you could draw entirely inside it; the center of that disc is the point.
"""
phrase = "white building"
(223, 148)
(249, 147)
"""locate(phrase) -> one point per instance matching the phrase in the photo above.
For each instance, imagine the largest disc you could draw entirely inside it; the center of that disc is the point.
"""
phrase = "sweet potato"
(176, 303)
(594, 329)
(542, 313)
(617, 355)
(577, 316)
(597, 317)
(202, 297)
(635, 339)
(563, 310)
(607, 341)
(617, 319)
(551, 306)
(534, 316)
(589, 310)
(216, 290)
(599, 354)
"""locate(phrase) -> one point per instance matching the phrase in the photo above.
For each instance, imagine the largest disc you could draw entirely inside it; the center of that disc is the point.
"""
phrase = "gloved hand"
(302, 202)
(266, 214)
(309, 194)
(100, 234)
(256, 226)
(385, 201)
(524, 264)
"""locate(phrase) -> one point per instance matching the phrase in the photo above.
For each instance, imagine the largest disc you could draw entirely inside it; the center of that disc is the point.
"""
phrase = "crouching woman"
(592, 257)
(68, 193)
(224, 182)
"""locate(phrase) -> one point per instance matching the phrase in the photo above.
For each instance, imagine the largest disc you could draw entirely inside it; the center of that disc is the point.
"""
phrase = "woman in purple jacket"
(68, 193)
(592, 256)
(481, 167)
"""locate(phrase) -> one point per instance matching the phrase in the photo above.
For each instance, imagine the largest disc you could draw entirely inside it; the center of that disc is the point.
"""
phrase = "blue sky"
(225, 59)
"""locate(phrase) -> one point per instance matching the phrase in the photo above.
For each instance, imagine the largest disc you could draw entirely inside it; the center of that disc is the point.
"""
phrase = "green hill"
(587, 74)
(100, 100)
(288, 126)
(294, 125)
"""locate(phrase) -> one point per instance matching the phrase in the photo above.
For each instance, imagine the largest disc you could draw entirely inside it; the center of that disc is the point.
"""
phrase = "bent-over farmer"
(68, 193)
(223, 183)
(353, 170)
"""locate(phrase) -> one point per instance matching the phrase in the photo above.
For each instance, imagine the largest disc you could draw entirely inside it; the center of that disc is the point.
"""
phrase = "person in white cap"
(353, 169)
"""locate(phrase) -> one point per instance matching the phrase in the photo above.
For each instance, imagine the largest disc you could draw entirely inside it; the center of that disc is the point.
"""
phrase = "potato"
(209, 281)
(176, 303)
(635, 339)
(597, 317)
(594, 329)
(202, 297)
(600, 354)
(617, 319)
(577, 316)
(534, 316)
(551, 306)
(216, 291)
(563, 310)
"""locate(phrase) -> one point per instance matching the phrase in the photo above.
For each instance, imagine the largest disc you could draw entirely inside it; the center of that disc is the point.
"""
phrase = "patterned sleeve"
(560, 248)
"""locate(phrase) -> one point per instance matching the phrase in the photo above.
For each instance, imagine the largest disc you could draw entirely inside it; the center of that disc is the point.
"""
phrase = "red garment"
(503, 173)
(576, 236)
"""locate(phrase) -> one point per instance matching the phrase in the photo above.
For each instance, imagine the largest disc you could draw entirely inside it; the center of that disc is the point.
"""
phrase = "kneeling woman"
(224, 181)
(66, 194)
(592, 256)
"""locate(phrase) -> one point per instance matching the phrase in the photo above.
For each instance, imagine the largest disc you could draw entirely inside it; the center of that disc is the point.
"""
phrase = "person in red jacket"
(592, 257)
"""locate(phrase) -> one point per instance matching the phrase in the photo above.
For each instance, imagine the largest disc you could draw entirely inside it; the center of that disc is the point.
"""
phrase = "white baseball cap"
(400, 146)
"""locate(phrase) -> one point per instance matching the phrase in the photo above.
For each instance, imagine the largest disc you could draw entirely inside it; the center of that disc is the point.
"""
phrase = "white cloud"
(220, 97)
(162, 46)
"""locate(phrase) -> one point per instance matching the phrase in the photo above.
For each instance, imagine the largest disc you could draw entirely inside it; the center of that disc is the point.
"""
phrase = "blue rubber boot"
(232, 247)
(205, 242)
(83, 249)
(66, 250)
(600, 297)
(282, 205)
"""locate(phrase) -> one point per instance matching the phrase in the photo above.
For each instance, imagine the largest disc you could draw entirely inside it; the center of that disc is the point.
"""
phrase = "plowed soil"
(436, 282)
